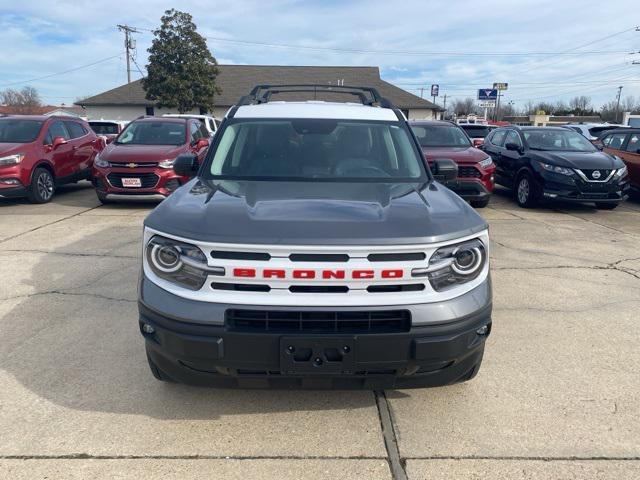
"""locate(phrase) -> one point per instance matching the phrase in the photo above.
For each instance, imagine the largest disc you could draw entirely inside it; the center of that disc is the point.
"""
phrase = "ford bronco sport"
(313, 249)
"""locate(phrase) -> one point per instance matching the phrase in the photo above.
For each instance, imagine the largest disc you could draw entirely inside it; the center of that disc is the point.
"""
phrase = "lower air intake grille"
(469, 172)
(384, 321)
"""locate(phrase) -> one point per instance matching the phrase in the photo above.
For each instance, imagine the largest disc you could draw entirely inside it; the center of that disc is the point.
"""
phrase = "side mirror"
(445, 169)
(599, 146)
(202, 143)
(478, 142)
(512, 147)
(57, 142)
(186, 165)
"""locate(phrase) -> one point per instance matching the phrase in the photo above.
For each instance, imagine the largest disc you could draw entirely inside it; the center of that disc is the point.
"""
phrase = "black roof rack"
(367, 95)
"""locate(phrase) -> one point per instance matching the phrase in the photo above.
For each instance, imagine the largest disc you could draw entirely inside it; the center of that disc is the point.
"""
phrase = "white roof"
(316, 109)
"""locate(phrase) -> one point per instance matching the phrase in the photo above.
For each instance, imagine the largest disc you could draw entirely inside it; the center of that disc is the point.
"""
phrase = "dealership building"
(128, 101)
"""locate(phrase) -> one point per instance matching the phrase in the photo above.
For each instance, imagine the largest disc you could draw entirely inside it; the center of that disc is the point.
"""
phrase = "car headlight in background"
(621, 172)
(11, 159)
(487, 162)
(454, 264)
(178, 262)
(100, 162)
(167, 163)
(556, 169)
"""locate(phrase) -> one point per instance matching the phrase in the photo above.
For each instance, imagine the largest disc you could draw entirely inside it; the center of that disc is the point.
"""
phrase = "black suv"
(548, 163)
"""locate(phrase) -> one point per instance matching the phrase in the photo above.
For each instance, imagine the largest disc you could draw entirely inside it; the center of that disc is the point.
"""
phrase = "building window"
(150, 111)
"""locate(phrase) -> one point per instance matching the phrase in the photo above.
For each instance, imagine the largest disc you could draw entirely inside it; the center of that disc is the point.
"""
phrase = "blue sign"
(487, 94)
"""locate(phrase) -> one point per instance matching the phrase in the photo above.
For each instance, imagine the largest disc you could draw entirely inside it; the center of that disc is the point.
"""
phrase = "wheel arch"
(43, 164)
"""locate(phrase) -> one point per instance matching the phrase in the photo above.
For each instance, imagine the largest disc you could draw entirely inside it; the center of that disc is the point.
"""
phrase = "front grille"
(603, 174)
(134, 165)
(357, 322)
(147, 180)
(469, 172)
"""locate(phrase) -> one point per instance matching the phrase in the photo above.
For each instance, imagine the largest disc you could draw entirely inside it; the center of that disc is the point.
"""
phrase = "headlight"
(166, 163)
(455, 264)
(11, 159)
(621, 172)
(100, 162)
(556, 169)
(179, 262)
(487, 162)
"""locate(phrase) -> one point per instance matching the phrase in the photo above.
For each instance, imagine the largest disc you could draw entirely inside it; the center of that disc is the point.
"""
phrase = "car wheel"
(606, 206)
(103, 198)
(526, 191)
(42, 186)
(480, 203)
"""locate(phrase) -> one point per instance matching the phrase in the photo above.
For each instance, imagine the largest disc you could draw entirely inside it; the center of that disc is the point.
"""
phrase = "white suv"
(210, 123)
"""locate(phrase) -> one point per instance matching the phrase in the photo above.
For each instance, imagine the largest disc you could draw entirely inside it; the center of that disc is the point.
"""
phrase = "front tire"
(103, 198)
(527, 191)
(606, 206)
(42, 186)
(480, 203)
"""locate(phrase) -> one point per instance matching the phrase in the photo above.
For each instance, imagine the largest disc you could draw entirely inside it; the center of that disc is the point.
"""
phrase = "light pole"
(618, 102)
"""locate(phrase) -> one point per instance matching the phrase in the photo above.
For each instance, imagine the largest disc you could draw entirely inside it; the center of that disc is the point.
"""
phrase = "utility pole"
(444, 105)
(618, 102)
(421, 92)
(129, 44)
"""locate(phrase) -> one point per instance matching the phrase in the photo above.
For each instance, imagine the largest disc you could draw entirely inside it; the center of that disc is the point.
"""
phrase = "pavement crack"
(519, 458)
(76, 294)
(86, 456)
(68, 254)
(396, 464)
(39, 227)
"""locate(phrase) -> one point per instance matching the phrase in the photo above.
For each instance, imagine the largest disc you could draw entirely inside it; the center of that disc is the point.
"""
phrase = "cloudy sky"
(545, 49)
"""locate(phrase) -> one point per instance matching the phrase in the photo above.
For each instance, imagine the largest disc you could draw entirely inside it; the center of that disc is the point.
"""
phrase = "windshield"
(476, 131)
(153, 133)
(440, 136)
(13, 130)
(104, 128)
(316, 150)
(557, 140)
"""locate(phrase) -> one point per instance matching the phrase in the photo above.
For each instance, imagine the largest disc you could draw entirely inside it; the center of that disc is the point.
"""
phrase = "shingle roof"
(238, 80)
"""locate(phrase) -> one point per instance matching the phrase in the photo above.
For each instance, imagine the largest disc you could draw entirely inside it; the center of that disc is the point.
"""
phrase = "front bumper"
(572, 189)
(469, 189)
(13, 192)
(155, 181)
(192, 344)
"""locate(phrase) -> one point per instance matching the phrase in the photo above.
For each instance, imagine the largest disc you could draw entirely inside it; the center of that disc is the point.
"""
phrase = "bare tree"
(580, 105)
(26, 101)
(464, 107)
(628, 104)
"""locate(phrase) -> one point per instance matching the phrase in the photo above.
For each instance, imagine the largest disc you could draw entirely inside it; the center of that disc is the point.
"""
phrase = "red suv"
(37, 153)
(440, 139)
(139, 162)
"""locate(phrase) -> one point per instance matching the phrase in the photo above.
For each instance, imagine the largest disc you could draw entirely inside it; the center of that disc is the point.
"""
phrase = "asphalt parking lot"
(557, 395)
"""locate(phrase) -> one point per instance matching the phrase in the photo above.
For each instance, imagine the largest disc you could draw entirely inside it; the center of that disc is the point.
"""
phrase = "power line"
(402, 52)
(62, 72)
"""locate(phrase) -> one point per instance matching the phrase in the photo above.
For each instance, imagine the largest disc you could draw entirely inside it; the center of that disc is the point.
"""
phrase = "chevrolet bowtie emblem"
(132, 165)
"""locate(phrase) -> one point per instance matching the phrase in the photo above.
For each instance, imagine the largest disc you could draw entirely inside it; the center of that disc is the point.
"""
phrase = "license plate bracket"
(317, 355)
(131, 182)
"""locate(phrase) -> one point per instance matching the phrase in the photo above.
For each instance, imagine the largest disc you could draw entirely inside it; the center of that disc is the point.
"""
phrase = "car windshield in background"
(153, 133)
(316, 150)
(14, 130)
(440, 136)
(557, 140)
(476, 131)
(104, 128)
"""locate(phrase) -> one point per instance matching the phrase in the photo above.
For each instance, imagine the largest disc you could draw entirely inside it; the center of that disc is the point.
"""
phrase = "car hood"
(457, 154)
(579, 160)
(114, 153)
(11, 148)
(315, 213)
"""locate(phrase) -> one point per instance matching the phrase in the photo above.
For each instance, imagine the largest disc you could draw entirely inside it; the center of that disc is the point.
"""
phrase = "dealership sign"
(435, 89)
(500, 86)
(487, 94)
(487, 104)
